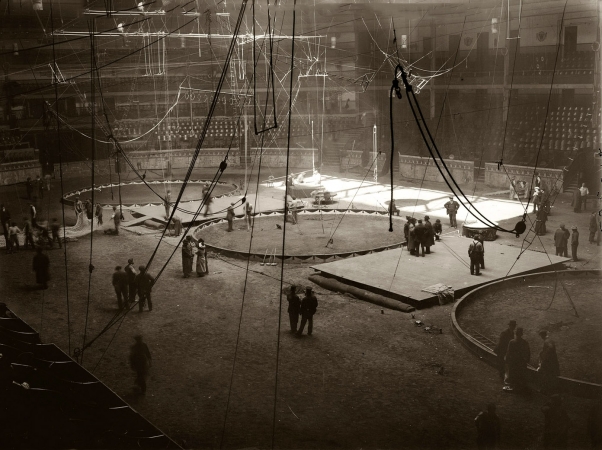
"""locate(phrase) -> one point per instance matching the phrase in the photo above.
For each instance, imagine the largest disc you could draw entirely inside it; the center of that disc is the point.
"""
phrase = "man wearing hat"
(502, 346)
(140, 362)
(537, 194)
(309, 305)
(452, 207)
(144, 285)
(131, 272)
(230, 216)
(574, 242)
(120, 284)
(430, 234)
(420, 238)
(560, 240)
(475, 251)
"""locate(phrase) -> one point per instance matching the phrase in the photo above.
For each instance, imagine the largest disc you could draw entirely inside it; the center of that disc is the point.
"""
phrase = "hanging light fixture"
(333, 42)
(494, 25)
(404, 41)
(37, 5)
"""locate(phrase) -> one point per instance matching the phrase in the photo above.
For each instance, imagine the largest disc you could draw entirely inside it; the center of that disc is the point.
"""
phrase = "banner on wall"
(539, 36)
(468, 41)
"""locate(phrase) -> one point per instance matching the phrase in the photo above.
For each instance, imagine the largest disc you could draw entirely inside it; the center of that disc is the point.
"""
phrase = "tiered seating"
(580, 63)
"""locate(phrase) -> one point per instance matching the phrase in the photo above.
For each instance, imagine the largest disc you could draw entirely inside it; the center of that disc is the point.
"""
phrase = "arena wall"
(499, 178)
(17, 172)
(414, 167)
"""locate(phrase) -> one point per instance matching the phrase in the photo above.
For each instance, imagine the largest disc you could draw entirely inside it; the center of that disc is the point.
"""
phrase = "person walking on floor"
(141, 362)
(187, 256)
(55, 228)
(120, 284)
(207, 199)
(480, 238)
(488, 428)
(502, 347)
(131, 272)
(548, 367)
(560, 240)
(144, 285)
(41, 266)
(574, 243)
(452, 207)
(309, 305)
(230, 216)
(28, 232)
(518, 356)
(167, 203)
(475, 250)
(202, 268)
(294, 308)
(116, 217)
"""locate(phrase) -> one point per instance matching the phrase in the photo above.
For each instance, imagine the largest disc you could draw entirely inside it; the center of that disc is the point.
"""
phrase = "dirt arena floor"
(349, 232)
(366, 378)
(546, 305)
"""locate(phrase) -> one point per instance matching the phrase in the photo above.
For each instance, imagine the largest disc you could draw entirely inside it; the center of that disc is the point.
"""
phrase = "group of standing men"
(305, 308)
(420, 236)
(129, 282)
(514, 354)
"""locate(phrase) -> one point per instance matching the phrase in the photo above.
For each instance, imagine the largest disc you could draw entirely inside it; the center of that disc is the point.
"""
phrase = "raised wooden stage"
(401, 276)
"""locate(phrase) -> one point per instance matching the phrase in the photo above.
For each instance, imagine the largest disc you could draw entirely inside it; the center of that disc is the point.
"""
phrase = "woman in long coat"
(187, 256)
(202, 268)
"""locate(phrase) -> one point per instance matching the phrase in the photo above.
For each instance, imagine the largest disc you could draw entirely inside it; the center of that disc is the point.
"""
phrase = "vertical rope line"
(58, 134)
(288, 150)
(92, 133)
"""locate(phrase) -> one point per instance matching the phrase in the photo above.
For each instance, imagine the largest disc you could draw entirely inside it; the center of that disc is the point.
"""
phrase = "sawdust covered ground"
(366, 379)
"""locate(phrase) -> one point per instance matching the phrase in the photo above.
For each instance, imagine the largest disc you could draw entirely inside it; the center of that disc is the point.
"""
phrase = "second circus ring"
(564, 303)
(350, 232)
(139, 193)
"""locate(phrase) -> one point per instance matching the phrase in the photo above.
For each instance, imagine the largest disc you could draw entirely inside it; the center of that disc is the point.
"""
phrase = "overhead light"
(333, 42)
(404, 41)
(120, 27)
(494, 25)
(141, 6)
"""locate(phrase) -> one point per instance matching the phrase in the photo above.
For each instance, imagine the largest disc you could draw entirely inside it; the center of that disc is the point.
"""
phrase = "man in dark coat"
(187, 256)
(574, 243)
(488, 428)
(502, 346)
(560, 240)
(556, 424)
(593, 227)
(144, 285)
(411, 236)
(548, 368)
(131, 272)
(518, 356)
(451, 207)
(41, 266)
(438, 229)
(421, 239)
(5, 219)
(406, 229)
(140, 361)
(429, 235)
(116, 219)
(479, 237)
(40, 186)
(309, 305)
(120, 284)
(475, 250)
(294, 308)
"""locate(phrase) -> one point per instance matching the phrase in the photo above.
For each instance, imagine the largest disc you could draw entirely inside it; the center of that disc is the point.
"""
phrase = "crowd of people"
(36, 233)
(191, 248)
(421, 236)
(131, 282)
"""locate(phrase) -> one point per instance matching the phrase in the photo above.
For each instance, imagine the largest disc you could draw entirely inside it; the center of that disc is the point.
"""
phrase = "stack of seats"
(50, 401)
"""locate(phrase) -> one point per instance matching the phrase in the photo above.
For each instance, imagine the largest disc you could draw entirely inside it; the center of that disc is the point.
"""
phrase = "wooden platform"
(401, 276)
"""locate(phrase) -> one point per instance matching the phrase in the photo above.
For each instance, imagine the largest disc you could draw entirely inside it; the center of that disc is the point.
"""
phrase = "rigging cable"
(58, 133)
(288, 150)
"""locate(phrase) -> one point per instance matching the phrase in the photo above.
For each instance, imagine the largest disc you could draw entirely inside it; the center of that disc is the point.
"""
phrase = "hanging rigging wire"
(93, 107)
(520, 226)
(288, 150)
(58, 133)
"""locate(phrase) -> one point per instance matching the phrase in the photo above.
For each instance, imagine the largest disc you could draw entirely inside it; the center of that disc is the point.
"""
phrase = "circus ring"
(546, 300)
(137, 193)
(358, 232)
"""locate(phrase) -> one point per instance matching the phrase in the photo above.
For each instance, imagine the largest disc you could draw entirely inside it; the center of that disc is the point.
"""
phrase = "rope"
(58, 133)
(288, 150)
